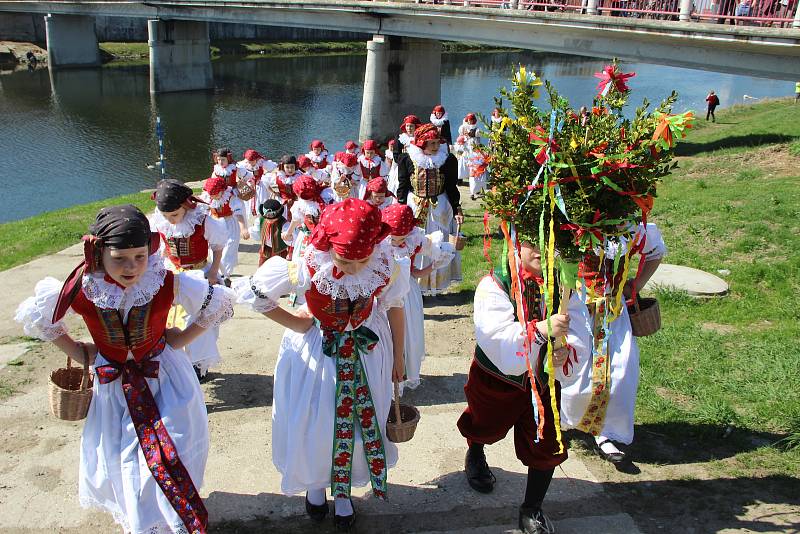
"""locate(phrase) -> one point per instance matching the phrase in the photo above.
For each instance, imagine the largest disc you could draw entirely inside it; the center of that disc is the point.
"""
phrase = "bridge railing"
(765, 13)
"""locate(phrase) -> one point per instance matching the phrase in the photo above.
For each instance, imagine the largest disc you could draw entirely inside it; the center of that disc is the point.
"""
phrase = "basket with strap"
(246, 191)
(645, 316)
(70, 390)
(403, 419)
(457, 240)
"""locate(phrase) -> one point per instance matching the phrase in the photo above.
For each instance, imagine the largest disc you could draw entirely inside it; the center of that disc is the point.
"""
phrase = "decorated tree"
(579, 182)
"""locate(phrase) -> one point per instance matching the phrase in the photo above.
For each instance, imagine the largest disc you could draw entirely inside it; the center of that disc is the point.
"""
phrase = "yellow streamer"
(551, 379)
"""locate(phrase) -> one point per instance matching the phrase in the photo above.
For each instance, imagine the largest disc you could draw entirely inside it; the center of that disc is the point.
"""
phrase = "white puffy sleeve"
(237, 206)
(268, 165)
(215, 233)
(35, 313)
(208, 305)
(395, 291)
(654, 247)
(276, 278)
(497, 332)
(439, 251)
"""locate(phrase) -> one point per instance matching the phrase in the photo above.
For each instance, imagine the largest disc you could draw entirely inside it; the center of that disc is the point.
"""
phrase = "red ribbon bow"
(611, 74)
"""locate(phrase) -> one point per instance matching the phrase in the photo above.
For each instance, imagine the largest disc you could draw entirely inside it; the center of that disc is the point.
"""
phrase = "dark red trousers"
(495, 406)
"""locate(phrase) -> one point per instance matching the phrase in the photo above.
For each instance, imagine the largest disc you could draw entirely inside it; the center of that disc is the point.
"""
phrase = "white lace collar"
(375, 274)
(109, 295)
(369, 163)
(220, 202)
(316, 159)
(469, 126)
(304, 207)
(286, 178)
(246, 165)
(414, 240)
(496, 120)
(405, 139)
(424, 161)
(439, 122)
(185, 228)
(224, 171)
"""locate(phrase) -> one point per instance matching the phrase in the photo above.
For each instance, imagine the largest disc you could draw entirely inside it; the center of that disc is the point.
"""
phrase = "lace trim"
(224, 172)
(35, 313)
(185, 228)
(468, 127)
(111, 296)
(375, 274)
(122, 520)
(424, 161)
(218, 203)
(375, 161)
(217, 307)
(305, 207)
(439, 122)
(405, 139)
(316, 159)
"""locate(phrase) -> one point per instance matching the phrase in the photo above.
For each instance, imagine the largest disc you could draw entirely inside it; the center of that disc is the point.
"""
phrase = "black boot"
(479, 476)
(534, 521)
(317, 512)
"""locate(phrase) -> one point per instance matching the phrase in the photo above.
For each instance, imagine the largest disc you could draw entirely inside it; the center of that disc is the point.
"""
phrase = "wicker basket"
(246, 191)
(457, 240)
(70, 391)
(402, 421)
(645, 316)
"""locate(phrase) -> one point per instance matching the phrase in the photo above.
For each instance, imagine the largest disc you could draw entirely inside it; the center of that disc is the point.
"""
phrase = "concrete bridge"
(404, 56)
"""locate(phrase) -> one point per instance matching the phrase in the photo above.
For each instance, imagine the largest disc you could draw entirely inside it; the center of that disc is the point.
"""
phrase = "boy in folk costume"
(429, 184)
(408, 240)
(442, 122)
(252, 169)
(147, 416)
(228, 208)
(320, 175)
(338, 358)
(612, 407)
(370, 165)
(378, 194)
(271, 227)
(344, 178)
(188, 232)
(392, 164)
(499, 387)
(318, 155)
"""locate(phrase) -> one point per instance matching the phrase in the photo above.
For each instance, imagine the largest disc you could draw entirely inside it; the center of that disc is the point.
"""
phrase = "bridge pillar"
(71, 41)
(403, 76)
(685, 13)
(179, 56)
(796, 23)
(591, 7)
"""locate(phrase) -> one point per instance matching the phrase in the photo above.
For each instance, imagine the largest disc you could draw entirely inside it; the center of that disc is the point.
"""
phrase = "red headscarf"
(251, 155)
(424, 133)
(377, 185)
(409, 119)
(438, 109)
(316, 143)
(350, 145)
(400, 218)
(369, 144)
(303, 162)
(346, 159)
(471, 118)
(214, 185)
(352, 227)
(307, 188)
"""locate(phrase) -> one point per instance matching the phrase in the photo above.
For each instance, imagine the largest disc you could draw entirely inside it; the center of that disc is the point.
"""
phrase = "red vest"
(224, 211)
(143, 330)
(230, 180)
(336, 314)
(369, 174)
(186, 252)
(321, 164)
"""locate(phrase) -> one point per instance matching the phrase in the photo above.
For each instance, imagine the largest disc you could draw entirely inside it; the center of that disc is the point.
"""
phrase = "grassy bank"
(137, 52)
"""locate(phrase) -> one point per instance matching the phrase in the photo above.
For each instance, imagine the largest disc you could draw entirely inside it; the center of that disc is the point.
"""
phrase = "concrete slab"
(12, 351)
(694, 281)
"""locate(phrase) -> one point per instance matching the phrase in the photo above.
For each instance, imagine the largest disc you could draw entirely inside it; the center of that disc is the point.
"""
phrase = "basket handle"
(396, 403)
(85, 377)
(636, 304)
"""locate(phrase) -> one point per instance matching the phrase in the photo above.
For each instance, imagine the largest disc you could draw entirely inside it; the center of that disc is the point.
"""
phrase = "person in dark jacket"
(442, 122)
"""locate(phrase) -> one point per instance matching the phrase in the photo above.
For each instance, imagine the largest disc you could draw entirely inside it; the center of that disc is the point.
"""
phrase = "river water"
(85, 135)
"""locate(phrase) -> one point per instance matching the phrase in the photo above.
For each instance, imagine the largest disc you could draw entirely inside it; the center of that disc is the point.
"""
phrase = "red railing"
(765, 13)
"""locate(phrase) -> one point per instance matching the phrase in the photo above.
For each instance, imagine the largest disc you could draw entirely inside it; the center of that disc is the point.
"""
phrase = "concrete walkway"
(427, 493)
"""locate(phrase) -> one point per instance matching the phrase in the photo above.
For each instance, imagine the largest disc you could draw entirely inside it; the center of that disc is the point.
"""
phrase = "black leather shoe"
(615, 458)
(201, 375)
(533, 521)
(344, 523)
(317, 512)
(479, 476)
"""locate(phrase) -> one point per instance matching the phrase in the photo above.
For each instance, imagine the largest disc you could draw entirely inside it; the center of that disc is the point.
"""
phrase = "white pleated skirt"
(415, 334)
(113, 472)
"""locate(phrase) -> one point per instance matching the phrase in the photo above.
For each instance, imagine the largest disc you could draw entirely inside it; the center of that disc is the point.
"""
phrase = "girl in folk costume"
(338, 358)
(460, 149)
(188, 232)
(370, 165)
(392, 164)
(507, 386)
(442, 122)
(271, 227)
(320, 175)
(407, 241)
(497, 118)
(145, 440)
(429, 184)
(351, 147)
(581, 397)
(318, 155)
(406, 136)
(311, 198)
(344, 178)
(252, 169)
(378, 194)
(280, 182)
(469, 128)
(225, 166)
(476, 163)
(228, 208)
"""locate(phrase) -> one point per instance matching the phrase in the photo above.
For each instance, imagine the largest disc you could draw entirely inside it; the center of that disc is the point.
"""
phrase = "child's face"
(369, 154)
(398, 240)
(252, 162)
(349, 266)
(289, 168)
(438, 114)
(410, 129)
(125, 266)
(496, 113)
(317, 150)
(432, 147)
(531, 258)
(377, 198)
(222, 161)
(174, 217)
(215, 196)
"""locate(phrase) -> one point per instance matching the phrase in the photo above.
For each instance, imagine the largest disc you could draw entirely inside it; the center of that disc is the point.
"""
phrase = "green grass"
(24, 240)
(724, 373)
